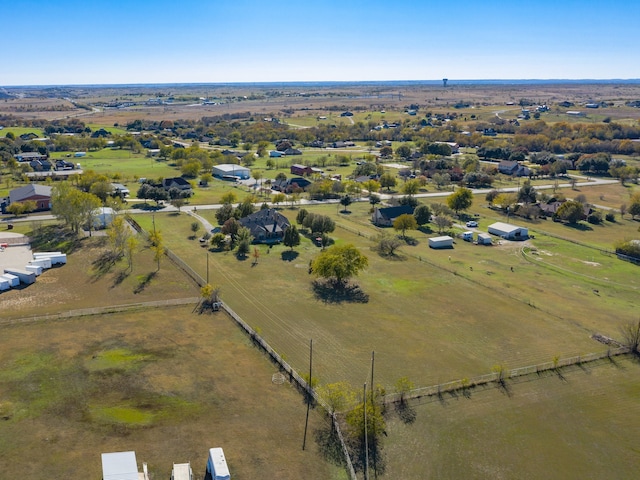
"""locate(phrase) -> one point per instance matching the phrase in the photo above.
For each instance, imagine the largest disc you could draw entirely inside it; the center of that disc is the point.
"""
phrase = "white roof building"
(119, 466)
(231, 169)
(508, 231)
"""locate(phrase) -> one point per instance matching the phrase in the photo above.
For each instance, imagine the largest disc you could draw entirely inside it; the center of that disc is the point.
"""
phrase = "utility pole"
(306, 422)
(366, 443)
(207, 267)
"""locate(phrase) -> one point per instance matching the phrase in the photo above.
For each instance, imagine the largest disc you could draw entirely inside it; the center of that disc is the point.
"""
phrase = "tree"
(571, 212)
(291, 237)
(338, 263)
(345, 202)
(338, 396)
(441, 179)
(459, 200)
(422, 214)
(387, 181)
(195, 226)
(224, 213)
(230, 227)
(278, 198)
(371, 186)
(374, 199)
(302, 214)
(245, 208)
(630, 333)
(73, 206)
(387, 245)
(527, 194)
(229, 198)
(411, 187)
(244, 239)
(157, 246)
(443, 222)
(403, 386)
(118, 233)
(178, 203)
(634, 206)
(403, 152)
(20, 208)
(405, 222)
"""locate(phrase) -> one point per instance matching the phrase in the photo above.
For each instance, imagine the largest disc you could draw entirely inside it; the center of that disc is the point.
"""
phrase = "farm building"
(484, 239)
(441, 242)
(119, 466)
(225, 170)
(103, 217)
(41, 194)
(275, 154)
(508, 231)
(297, 169)
(384, 217)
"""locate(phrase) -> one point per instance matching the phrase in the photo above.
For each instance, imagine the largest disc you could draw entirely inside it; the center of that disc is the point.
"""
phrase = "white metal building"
(485, 239)
(441, 242)
(508, 231)
(231, 170)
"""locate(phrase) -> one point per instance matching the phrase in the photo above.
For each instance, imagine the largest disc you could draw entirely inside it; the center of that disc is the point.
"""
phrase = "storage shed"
(485, 239)
(508, 231)
(217, 465)
(467, 236)
(231, 170)
(119, 466)
(441, 242)
(181, 471)
(4, 284)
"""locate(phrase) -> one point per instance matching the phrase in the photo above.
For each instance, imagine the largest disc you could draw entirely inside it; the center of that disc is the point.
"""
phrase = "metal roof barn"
(119, 466)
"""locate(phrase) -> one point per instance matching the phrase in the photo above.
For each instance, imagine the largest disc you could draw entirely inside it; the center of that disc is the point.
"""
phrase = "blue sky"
(48, 42)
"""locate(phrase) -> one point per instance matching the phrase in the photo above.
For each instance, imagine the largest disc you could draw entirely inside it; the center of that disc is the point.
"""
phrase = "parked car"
(472, 223)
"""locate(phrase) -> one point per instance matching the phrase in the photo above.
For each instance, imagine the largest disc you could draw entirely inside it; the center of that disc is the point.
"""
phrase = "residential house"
(513, 168)
(297, 169)
(266, 226)
(384, 217)
(291, 184)
(177, 182)
(292, 151)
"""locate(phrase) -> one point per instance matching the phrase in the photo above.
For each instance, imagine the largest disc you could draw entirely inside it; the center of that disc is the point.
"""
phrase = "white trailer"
(13, 280)
(37, 269)
(181, 471)
(25, 277)
(4, 284)
(44, 262)
(57, 258)
(217, 465)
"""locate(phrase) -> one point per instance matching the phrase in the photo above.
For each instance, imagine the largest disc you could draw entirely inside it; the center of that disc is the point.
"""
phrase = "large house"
(384, 217)
(516, 169)
(177, 182)
(290, 184)
(266, 226)
(41, 194)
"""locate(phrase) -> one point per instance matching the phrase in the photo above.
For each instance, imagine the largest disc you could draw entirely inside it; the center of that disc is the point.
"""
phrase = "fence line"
(82, 312)
(502, 375)
(294, 377)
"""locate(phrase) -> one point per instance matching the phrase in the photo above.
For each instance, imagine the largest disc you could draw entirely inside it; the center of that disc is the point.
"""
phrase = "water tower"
(444, 82)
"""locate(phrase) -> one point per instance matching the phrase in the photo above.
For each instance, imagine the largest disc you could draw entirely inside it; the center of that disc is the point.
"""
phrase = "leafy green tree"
(229, 198)
(459, 200)
(278, 198)
(195, 226)
(73, 206)
(405, 222)
(372, 186)
(345, 202)
(403, 386)
(571, 212)
(411, 187)
(245, 208)
(244, 239)
(527, 194)
(422, 214)
(387, 181)
(118, 233)
(339, 263)
(339, 396)
(224, 213)
(403, 152)
(302, 213)
(291, 237)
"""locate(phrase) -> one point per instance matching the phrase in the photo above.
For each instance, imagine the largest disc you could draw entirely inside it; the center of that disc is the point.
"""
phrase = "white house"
(508, 231)
(441, 242)
(227, 170)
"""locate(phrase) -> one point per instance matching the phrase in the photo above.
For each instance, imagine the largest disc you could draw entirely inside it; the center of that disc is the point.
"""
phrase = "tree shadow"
(583, 227)
(425, 229)
(411, 241)
(103, 264)
(328, 443)
(120, 277)
(289, 255)
(332, 292)
(144, 280)
(406, 413)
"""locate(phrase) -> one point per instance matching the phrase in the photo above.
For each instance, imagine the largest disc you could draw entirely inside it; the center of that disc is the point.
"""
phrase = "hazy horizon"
(72, 42)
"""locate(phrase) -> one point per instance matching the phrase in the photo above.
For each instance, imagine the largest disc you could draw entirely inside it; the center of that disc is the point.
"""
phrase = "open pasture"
(426, 318)
(165, 382)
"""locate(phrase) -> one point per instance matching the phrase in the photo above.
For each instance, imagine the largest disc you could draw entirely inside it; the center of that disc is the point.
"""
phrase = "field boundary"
(501, 375)
(82, 312)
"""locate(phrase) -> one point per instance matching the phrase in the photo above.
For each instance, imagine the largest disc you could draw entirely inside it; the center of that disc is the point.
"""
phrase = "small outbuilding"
(119, 466)
(485, 239)
(217, 465)
(225, 170)
(444, 241)
(467, 236)
(508, 231)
